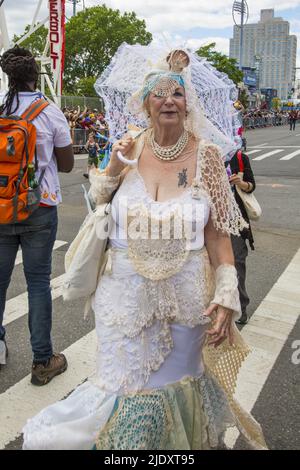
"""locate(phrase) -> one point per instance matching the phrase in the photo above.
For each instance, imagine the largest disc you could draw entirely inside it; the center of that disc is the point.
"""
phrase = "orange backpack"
(17, 150)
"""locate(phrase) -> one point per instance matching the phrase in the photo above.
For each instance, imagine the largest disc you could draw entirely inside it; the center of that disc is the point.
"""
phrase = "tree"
(276, 103)
(92, 38)
(243, 97)
(85, 87)
(35, 42)
(221, 62)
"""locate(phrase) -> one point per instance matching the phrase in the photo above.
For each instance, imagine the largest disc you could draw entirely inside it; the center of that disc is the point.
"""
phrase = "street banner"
(57, 40)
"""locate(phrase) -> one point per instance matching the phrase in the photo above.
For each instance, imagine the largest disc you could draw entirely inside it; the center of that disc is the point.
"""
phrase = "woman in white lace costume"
(168, 350)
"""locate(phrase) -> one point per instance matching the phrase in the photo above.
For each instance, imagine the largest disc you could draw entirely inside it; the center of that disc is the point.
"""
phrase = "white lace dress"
(151, 389)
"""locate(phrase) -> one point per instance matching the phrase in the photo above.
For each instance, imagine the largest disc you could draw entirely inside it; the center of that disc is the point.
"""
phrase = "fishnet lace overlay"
(224, 363)
(225, 212)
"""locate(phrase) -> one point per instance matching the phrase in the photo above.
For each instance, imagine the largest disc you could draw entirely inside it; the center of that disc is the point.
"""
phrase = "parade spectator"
(93, 149)
(36, 235)
(293, 118)
(239, 244)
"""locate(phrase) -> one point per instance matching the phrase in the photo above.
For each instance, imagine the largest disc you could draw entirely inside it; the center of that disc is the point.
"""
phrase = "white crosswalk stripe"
(22, 401)
(57, 244)
(81, 157)
(253, 151)
(287, 149)
(268, 154)
(290, 155)
(18, 306)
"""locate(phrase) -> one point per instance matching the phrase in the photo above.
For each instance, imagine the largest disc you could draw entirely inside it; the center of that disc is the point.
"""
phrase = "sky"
(191, 23)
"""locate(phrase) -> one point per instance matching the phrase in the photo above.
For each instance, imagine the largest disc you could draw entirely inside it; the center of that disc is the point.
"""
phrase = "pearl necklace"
(168, 153)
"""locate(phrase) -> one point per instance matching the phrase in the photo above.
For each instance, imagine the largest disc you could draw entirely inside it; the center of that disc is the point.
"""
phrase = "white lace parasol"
(209, 93)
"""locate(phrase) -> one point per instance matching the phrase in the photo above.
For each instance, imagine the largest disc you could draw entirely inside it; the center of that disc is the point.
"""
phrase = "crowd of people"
(253, 119)
(83, 123)
(88, 119)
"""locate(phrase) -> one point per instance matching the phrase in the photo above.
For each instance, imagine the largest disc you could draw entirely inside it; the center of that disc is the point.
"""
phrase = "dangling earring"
(149, 122)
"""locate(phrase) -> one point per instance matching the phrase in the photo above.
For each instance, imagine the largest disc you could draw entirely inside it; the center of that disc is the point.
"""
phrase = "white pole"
(4, 45)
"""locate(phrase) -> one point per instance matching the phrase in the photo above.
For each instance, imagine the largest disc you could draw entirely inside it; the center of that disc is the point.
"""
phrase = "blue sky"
(190, 22)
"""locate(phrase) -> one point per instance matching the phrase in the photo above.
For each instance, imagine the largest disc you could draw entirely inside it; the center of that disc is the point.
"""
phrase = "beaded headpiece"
(162, 83)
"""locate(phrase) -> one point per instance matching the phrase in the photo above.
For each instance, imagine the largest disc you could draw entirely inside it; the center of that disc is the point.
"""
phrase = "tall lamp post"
(240, 15)
(294, 85)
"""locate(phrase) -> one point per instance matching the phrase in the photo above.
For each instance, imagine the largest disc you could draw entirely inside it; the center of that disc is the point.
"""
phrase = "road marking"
(253, 151)
(18, 306)
(266, 334)
(266, 155)
(23, 400)
(274, 147)
(290, 155)
(57, 244)
(297, 135)
(81, 157)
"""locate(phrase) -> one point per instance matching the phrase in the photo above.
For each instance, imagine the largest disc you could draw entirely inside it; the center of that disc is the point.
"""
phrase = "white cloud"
(160, 15)
(177, 18)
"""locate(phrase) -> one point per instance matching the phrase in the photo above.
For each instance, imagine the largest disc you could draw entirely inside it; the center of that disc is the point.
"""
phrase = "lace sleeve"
(226, 292)
(225, 213)
(102, 186)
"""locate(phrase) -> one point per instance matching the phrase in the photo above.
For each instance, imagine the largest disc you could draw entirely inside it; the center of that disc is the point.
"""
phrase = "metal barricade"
(80, 137)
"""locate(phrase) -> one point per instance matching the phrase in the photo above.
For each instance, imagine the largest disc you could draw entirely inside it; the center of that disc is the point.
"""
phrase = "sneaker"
(41, 374)
(3, 352)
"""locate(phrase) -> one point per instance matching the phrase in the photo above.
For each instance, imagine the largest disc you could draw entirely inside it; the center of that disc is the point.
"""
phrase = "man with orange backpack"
(35, 144)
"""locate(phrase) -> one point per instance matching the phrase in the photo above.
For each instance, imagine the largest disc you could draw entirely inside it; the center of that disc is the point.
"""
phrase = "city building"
(269, 48)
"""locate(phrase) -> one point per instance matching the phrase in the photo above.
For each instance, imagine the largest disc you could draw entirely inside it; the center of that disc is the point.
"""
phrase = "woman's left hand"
(222, 327)
(236, 179)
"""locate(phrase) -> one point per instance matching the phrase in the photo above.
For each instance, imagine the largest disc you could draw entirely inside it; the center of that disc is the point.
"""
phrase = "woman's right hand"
(115, 165)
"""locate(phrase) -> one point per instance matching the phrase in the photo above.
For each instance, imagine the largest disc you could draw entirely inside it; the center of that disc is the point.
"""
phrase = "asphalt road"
(277, 239)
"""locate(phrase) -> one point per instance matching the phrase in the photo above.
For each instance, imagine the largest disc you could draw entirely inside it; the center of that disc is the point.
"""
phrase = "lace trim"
(124, 363)
(131, 302)
(102, 186)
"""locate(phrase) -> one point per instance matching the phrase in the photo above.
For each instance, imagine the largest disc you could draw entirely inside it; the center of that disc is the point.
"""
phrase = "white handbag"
(86, 258)
(250, 202)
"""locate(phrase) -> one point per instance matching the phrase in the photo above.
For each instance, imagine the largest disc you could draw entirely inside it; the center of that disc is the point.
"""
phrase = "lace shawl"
(225, 213)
